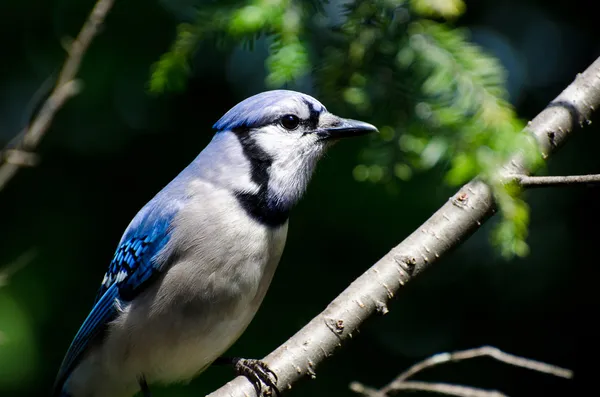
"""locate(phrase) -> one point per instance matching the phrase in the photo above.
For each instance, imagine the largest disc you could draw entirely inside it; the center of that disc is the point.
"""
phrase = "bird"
(195, 263)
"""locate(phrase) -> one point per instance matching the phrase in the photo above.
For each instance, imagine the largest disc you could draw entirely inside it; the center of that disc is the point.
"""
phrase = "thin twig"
(548, 181)
(9, 270)
(448, 389)
(485, 351)
(65, 88)
(441, 388)
(401, 382)
(359, 388)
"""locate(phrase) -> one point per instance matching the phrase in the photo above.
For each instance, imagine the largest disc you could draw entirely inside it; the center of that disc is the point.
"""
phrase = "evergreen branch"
(439, 8)
(281, 20)
(172, 69)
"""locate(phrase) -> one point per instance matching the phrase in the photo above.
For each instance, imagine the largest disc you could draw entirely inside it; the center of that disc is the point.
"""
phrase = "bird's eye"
(290, 121)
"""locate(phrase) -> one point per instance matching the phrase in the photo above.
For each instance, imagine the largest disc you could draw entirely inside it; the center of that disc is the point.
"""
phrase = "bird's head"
(286, 123)
(283, 134)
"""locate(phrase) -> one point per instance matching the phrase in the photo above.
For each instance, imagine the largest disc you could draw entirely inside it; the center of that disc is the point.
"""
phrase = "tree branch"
(484, 351)
(462, 215)
(9, 270)
(402, 383)
(549, 181)
(65, 88)
(440, 388)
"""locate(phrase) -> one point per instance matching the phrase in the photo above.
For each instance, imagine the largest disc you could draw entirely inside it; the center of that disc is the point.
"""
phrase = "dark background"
(114, 146)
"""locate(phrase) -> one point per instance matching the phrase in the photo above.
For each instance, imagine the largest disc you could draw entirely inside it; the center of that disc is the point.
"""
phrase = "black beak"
(345, 129)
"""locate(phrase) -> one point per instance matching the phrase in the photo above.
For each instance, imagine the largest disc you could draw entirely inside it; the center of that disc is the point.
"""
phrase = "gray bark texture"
(549, 181)
(455, 221)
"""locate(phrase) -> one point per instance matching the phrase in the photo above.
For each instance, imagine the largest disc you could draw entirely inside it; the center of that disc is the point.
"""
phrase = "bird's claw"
(259, 374)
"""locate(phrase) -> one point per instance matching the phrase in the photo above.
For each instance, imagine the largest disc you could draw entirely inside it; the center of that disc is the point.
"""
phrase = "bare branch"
(401, 382)
(548, 181)
(456, 220)
(20, 158)
(441, 388)
(9, 270)
(65, 88)
(367, 391)
(485, 351)
(449, 389)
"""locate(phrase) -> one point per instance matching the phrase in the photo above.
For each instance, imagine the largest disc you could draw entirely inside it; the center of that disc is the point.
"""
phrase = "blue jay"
(194, 264)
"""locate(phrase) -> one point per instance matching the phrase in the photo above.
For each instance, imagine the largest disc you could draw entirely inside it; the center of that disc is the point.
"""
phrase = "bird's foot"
(259, 374)
(144, 386)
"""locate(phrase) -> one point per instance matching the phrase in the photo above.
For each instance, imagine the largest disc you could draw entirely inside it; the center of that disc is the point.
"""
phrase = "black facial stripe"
(257, 204)
(313, 118)
(260, 161)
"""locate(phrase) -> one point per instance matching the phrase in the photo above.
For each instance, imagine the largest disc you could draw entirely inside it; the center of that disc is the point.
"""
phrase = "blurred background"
(112, 147)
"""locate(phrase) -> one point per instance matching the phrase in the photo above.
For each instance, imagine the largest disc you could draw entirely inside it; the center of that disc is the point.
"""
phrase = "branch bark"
(402, 383)
(66, 87)
(456, 220)
(440, 388)
(484, 351)
(549, 181)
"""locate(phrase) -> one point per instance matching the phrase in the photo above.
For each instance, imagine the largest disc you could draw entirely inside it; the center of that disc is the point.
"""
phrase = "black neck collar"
(260, 206)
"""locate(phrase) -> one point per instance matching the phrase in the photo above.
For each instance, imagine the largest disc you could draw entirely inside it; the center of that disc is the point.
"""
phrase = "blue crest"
(262, 109)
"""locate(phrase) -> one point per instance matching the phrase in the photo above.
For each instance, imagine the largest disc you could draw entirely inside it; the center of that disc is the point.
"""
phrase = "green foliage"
(511, 232)
(171, 71)
(438, 99)
(281, 20)
(439, 8)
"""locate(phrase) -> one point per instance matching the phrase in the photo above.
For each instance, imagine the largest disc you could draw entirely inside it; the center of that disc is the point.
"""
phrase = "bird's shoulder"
(135, 259)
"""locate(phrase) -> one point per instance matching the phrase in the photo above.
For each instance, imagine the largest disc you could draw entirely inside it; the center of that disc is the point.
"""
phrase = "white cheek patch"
(294, 157)
(293, 153)
(276, 142)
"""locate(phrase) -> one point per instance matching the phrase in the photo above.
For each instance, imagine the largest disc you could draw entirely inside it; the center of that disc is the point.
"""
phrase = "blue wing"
(101, 314)
(133, 265)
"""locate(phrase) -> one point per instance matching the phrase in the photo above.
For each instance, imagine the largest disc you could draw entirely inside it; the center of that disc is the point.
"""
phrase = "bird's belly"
(166, 347)
(196, 343)
(187, 319)
(181, 337)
